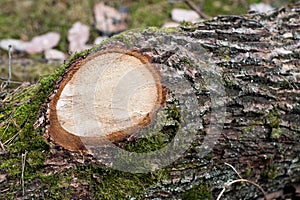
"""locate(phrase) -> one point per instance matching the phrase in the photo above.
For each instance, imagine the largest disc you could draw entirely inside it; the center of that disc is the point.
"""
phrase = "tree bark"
(230, 85)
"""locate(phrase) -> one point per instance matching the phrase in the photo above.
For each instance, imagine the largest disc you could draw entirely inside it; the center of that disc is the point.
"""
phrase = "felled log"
(220, 91)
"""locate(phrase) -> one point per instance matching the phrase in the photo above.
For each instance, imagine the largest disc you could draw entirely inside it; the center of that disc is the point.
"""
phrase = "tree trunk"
(187, 101)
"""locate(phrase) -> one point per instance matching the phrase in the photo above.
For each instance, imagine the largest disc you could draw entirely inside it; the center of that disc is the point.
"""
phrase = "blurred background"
(23, 20)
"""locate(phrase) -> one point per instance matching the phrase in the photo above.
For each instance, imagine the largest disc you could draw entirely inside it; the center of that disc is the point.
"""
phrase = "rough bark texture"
(256, 60)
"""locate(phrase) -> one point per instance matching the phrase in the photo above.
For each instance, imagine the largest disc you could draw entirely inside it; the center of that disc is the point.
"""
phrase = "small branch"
(23, 169)
(6, 79)
(2, 145)
(240, 180)
(9, 67)
(234, 170)
(7, 142)
(9, 62)
(196, 9)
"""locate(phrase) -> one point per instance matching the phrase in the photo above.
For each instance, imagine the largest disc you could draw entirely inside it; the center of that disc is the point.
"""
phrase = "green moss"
(185, 23)
(276, 132)
(129, 37)
(147, 144)
(246, 130)
(173, 112)
(56, 185)
(285, 84)
(197, 192)
(12, 166)
(273, 121)
(111, 184)
(224, 53)
(125, 37)
(187, 62)
(170, 30)
(188, 26)
(162, 138)
(273, 118)
(269, 172)
(209, 156)
(248, 171)
(35, 159)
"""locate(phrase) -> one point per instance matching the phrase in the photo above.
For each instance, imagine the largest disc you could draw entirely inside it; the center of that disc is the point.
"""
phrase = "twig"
(16, 94)
(9, 67)
(196, 9)
(23, 169)
(232, 167)
(6, 121)
(9, 62)
(5, 129)
(240, 180)
(2, 146)
(6, 79)
(7, 142)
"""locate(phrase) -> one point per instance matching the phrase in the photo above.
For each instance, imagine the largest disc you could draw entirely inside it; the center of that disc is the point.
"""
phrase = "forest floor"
(26, 19)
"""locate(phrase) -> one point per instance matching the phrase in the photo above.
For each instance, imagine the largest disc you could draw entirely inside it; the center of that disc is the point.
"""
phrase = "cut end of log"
(106, 95)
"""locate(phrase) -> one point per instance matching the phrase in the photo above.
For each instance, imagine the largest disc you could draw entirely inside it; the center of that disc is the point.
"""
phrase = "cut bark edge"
(70, 141)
